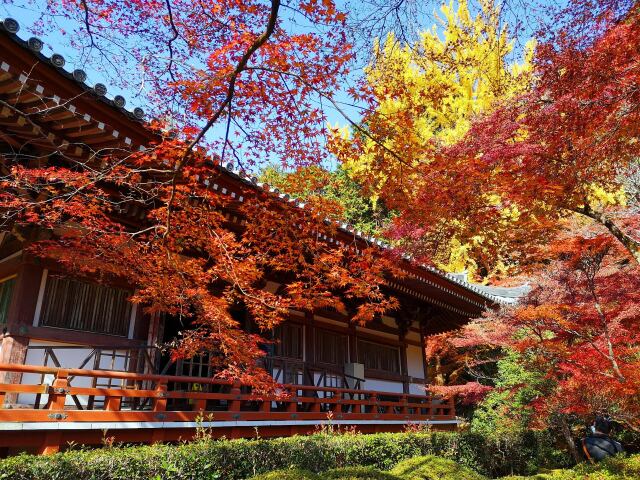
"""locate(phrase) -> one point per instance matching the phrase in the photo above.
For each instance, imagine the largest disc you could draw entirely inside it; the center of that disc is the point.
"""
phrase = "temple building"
(78, 359)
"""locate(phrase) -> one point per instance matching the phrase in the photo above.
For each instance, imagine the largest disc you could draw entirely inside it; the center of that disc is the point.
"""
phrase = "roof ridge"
(11, 27)
(346, 228)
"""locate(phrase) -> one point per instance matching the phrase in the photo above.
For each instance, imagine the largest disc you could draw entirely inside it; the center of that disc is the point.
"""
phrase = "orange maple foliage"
(186, 259)
(227, 67)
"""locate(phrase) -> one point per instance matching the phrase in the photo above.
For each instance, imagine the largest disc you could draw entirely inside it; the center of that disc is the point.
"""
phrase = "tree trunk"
(571, 444)
(632, 245)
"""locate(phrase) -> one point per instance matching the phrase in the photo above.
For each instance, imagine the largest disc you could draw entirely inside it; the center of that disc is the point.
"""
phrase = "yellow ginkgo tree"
(425, 94)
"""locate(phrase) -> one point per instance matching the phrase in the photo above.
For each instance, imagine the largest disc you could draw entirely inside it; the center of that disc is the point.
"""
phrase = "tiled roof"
(11, 27)
(499, 295)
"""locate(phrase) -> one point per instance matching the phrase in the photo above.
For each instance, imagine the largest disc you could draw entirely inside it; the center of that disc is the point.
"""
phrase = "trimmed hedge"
(430, 467)
(358, 473)
(207, 459)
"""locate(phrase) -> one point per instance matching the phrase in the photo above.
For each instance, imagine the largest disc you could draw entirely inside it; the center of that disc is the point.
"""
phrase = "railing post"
(292, 401)
(404, 409)
(199, 405)
(112, 404)
(429, 407)
(316, 405)
(160, 400)
(159, 406)
(57, 398)
(451, 407)
(59, 390)
(234, 404)
(265, 406)
(373, 407)
(337, 406)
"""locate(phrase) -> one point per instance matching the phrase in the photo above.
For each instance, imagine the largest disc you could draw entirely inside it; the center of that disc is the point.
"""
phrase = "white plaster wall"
(332, 381)
(415, 369)
(382, 385)
(277, 373)
(417, 389)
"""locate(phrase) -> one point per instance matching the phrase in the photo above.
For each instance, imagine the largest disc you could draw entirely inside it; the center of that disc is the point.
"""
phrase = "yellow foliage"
(426, 95)
(429, 91)
(602, 197)
(459, 260)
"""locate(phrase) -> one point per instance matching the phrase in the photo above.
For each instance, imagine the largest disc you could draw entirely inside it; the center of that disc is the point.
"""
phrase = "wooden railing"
(147, 359)
(158, 400)
(140, 359)
(299, 372)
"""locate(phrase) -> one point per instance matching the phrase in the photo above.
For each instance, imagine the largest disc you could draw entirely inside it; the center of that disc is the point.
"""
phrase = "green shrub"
(242, 459)
(615, 468)
(430, 467)
(290, 474)
(627, 467)
(358, 473)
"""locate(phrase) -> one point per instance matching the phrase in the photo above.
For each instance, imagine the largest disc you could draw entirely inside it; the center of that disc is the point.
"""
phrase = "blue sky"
(59, 39)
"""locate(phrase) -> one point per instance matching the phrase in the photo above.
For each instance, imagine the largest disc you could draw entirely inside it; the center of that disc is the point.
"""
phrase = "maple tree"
(228, 67)
(577, 329)
(243, 78)
(186, 259)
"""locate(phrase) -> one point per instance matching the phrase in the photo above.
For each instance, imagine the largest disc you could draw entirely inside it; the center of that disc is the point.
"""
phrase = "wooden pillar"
(309, 345)
(154, 333)
(20, 319)
(404, 368)
(353, 343)
(14, 350)
(153, 337)
(423, 345)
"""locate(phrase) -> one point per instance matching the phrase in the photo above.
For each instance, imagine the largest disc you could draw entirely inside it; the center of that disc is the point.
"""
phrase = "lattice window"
(86, 307)
(331, 347)
(196, 366)
(289, 341)
(6, 291)
(377, 356)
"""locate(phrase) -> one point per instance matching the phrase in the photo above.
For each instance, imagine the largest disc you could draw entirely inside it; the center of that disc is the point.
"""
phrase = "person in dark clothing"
(599, 445)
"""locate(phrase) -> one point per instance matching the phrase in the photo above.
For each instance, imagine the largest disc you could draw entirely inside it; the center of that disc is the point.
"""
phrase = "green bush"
(242, 459)
(628, 467)
(616, 468)
(430, 467)
(290, 474)
(358, 473)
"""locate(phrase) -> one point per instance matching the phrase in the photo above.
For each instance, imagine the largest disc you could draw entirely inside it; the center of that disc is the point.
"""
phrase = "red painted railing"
(161, 398)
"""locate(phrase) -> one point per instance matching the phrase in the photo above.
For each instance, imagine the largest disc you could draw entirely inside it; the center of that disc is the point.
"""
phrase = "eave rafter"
(32, 116)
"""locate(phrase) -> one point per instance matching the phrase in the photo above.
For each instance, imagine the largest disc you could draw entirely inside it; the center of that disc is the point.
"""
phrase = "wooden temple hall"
(77, 359)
